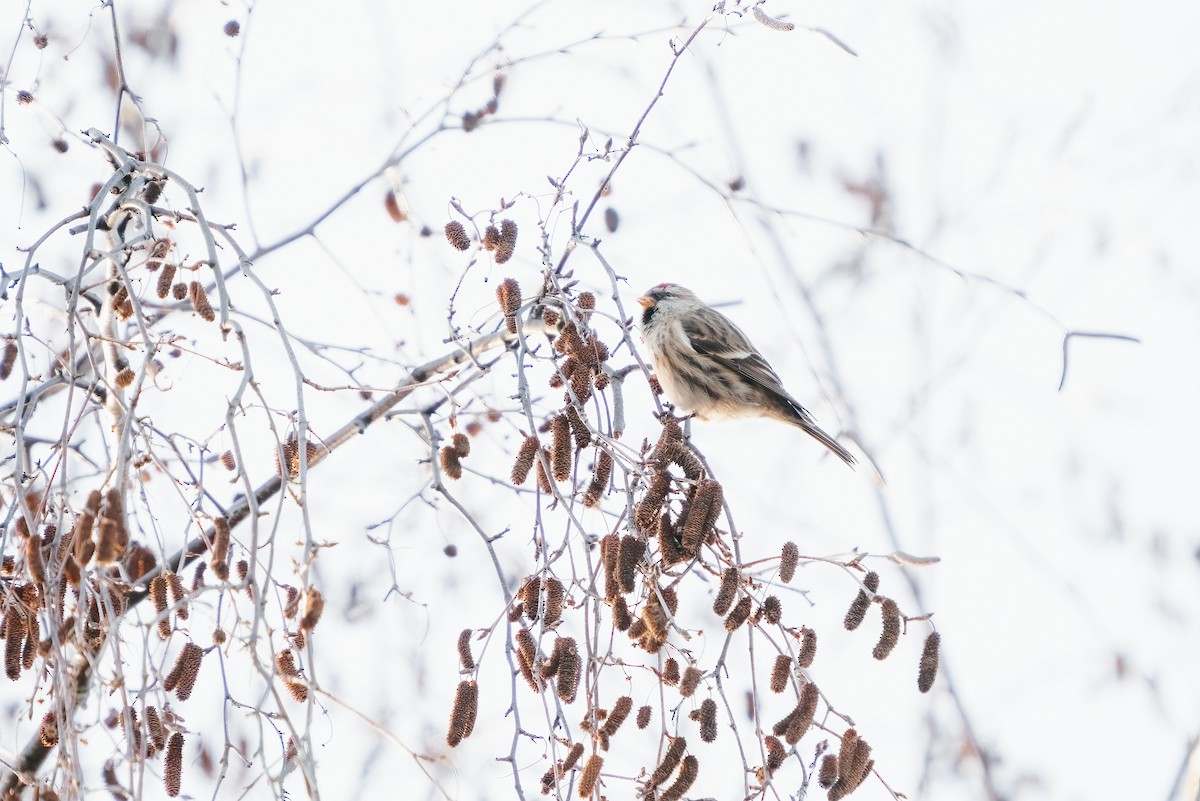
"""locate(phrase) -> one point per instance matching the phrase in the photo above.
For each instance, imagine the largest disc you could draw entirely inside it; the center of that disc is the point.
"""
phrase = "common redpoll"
(707, 366)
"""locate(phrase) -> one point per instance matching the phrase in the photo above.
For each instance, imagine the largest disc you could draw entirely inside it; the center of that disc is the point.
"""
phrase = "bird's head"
(667, 300)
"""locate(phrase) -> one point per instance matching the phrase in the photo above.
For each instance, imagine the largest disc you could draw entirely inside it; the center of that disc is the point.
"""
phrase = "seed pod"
(182, 677)
(739, 615)
(708, 720)
(560, 451)
(808, 647)
(451, 465)
(891, 629)
(456, 235)
(730, 580)
(691, 680)
(686, 778)
(555, 592)
(788, 561)
(462, 714)
(616, 717)
(200, 301)
(802, 718)
(525, 459)
(780, 673)
(600, 478)
(927, 671)
(629, 556)
(173, 765)
(165, 278)
(772, 610)
(464, 650)
(591, 773)
(669, 762)
(508, 241)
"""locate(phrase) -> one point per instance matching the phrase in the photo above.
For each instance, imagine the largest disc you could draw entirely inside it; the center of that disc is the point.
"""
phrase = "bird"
(707, 366)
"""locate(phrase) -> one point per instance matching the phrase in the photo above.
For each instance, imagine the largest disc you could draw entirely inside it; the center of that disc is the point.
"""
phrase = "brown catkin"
(158, 593)
(780, 673)
(670, 672)
(669, 762)
(730, 580)
(285, 663)
(788, 561)
(456, 235)
(449, 459)
(929, 662)
(600, 478)
(228, 461)
(857, 611)
(508, 241)
(461, 444)
(462, 714)
(525, 458)
(560, 450)
(158, 735)
(491, 238)
(572, 758)
(853, 765)
(772, 610)
(527, 656)
(776, 753)
(643, 716)
(610, 547)
(508, 293)
(700, 514)
(530, 594)
(48, 732)
(182, 677)
(14, 634)
(803, 716)
(622, 620)
(179, 291)
(629, 556)
(164, 279)
(555, 593)
(708, 720)
(617, 716)
(688, 772)
(175, 589)
(173, 765)
(568, 669)
(219, 558)
(8, 360)
(464, 650)
(891, 629)
(646, 514)
(32, 637)
(689, 682)
(739, 615)
(34, 563)
(314, 605)
(591, 773)
(808, 647)
(871, 580)
(200, 301)
(828, 771)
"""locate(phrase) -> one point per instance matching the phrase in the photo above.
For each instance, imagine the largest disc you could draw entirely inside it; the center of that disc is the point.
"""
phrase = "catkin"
(857, 611)
(567, 683)
(456, 235)
(464, 650)
(643, 716)
(788, 561)
(525, 459)
(572, 758)
(770, 22)
(776, 753)
(669, 762)
(560, 448)
(629, 556)
(219, 558)
(600, 478)
(462, 714)
(808, 647)
(689, 682)
(182, 677)
(173, 765)
(780, 673)
(729, 584)
(739, 615)
(591, 773)
(555, 593)
(828, 771)
(158, 593)
(803, 716)
(175, 589)
(688, 772)
(891, 629)
(927, 671)
(200, 301)
(708, 720)
(165, 278)
(508, 241)
(450, 461)
(617, 716)
(314, 605)
(772, 610)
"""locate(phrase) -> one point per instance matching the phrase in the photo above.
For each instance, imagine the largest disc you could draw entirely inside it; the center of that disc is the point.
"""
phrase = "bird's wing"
(725, 343)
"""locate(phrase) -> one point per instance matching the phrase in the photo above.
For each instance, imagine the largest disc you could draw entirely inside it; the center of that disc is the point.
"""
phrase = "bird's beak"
(646, 302)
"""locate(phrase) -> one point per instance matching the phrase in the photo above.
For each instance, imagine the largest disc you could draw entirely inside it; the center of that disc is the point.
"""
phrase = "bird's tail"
(820, 436)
